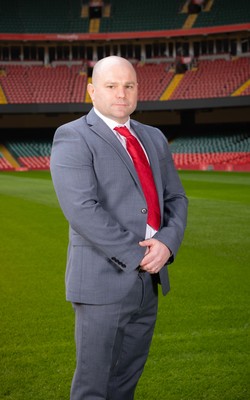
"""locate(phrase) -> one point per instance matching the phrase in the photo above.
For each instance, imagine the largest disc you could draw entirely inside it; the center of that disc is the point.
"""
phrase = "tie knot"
(123, 130)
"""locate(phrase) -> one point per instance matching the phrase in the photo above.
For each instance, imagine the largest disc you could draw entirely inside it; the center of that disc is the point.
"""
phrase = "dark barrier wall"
(194, 104)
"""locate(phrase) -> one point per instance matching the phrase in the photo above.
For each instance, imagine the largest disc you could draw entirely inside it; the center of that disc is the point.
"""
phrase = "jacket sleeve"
(175, 204)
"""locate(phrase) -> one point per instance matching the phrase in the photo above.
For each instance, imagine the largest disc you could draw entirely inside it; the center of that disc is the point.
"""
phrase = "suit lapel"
(102, 130)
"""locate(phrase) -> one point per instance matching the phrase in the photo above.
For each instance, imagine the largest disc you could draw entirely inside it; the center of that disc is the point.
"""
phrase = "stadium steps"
(94, 25)
(172, 86)
(87, 96)
(85, 11)
(4, 164)
(208, 6)
(8, 156)
(152, 80)
(3, 99)
(107, 10)
(242, 88)
(184, 9)
(190, 21)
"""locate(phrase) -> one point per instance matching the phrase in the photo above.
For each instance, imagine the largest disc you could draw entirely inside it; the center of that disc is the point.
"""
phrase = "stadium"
(192, 59)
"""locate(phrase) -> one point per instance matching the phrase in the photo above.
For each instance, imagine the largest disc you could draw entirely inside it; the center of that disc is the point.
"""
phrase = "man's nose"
(120, 91)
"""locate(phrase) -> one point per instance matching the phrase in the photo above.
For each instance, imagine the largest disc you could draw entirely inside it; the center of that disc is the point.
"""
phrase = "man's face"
(114, 91)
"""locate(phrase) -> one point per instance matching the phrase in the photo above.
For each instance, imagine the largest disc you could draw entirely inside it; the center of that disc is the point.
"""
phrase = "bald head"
(103, 65)
(113, 90)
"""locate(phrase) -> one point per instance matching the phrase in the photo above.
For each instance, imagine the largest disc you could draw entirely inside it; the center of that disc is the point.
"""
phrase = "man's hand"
(156, 256)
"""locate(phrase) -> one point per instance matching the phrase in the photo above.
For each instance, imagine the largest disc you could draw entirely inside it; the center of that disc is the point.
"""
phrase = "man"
(125, 227)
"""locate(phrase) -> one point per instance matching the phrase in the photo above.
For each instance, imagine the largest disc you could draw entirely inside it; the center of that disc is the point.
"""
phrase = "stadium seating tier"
(212, 151)
(225, 13)
(38, 84)
(214, 78)
(62, 84)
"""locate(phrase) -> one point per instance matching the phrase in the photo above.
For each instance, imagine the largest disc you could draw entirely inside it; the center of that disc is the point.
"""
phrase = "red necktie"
(145, 175)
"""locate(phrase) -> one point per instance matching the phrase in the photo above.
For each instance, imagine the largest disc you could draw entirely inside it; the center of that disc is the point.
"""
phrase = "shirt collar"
(110, 122)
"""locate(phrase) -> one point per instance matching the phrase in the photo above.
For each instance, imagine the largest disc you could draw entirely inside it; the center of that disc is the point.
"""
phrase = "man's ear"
(91, 90)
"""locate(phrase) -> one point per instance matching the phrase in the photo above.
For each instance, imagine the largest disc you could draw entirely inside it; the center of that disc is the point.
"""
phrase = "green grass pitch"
(200, 349)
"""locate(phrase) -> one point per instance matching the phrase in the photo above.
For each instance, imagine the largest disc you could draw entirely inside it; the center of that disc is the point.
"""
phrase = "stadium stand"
(213, 78)
(152, 80)
(39, 84)
(45, 16)
(212, 151)
(68, 16)
(224, 13)
(63, 16)
(9, 159)
(4, 164)
(63, 84)
(148, 17)
(32, 154)
(172, 66)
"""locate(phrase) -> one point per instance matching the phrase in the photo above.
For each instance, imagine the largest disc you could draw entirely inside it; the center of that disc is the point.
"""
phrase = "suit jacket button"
(144, 211)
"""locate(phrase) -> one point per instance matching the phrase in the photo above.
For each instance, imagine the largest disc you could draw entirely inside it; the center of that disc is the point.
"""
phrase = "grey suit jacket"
(101, 197)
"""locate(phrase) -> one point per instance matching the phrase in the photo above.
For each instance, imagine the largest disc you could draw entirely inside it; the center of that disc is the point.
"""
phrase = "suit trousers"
(112, 343)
